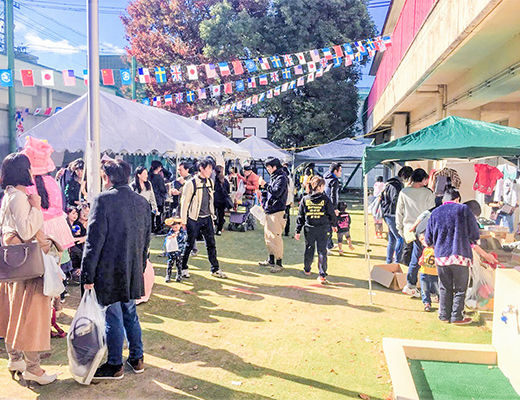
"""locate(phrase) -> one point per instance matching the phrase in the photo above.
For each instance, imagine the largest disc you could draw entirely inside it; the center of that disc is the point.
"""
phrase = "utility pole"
(134, 83)
(92, 149)
(9, 45)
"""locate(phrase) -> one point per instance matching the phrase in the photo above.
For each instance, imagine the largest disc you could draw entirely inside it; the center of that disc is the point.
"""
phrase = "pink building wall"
(410, 20)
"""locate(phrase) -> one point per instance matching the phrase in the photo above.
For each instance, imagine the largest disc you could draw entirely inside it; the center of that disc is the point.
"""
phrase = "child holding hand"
(344, 221)
(176, 241)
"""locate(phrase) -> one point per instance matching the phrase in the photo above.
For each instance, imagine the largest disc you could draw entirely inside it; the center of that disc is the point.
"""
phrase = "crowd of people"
(434, 236)
(103, 249)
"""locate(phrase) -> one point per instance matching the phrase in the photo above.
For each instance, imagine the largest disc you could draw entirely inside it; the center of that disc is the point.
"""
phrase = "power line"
(57, 22)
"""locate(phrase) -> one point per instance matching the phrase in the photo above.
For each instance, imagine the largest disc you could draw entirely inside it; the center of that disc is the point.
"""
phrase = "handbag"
(20, 262)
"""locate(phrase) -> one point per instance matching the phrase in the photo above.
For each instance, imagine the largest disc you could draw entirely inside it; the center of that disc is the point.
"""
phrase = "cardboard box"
(389, 275)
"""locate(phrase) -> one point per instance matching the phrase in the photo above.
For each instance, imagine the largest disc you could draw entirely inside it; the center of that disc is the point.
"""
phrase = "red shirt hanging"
(486, 178)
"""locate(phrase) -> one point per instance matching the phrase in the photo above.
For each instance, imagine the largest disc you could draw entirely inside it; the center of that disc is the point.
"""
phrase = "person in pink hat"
(55, 222)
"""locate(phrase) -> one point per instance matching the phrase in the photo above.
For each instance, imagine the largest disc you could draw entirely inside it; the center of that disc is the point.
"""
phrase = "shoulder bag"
(20, 262)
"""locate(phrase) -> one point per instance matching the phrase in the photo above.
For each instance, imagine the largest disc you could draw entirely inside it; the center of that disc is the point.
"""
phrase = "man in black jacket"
(332, 190)
(113, 263)
(274, 199)
(388, 205)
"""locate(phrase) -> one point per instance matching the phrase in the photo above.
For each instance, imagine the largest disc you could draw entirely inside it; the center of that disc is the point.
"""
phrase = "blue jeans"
(122, 318)
(395, 241)
(429, 286)
(509, 221)
(413, 268)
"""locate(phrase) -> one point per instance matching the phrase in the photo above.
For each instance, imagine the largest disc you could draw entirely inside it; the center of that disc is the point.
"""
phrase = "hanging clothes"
(440, 178)
(510, 172)
(486, 178)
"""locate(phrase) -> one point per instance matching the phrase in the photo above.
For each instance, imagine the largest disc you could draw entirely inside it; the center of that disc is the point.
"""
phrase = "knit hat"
(39, 153)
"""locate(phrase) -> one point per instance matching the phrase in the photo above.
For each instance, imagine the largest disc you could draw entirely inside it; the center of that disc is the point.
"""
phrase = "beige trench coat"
(25, 313)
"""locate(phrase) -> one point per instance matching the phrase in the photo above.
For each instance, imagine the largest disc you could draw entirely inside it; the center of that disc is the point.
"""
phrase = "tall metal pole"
(93, 137)
(134, 83)
(9, 43)
(367, 235)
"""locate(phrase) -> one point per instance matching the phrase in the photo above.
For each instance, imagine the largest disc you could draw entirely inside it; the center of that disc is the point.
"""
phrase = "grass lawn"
(259, 335)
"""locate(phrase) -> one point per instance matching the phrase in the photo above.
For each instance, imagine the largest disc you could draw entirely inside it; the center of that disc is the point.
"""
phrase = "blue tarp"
(339, 150)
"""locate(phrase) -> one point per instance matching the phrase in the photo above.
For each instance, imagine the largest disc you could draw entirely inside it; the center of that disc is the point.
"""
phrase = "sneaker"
(219, 274)
(329, 252)
(266, 263)
(351, 247)
(137, 365)
(446, 321)
(435, 299)
(341, 252)
(194, 253)
(322, 280)
(168, 278)
(464, 321)
(307, 272)
(427, 307)
(109, 371)
(411, 291)
(276, 268)
(218, 233)
(178, 278)
(185, 273)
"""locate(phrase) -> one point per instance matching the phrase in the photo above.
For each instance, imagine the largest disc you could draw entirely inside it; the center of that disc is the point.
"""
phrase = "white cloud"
(106, 47)
(36, 43)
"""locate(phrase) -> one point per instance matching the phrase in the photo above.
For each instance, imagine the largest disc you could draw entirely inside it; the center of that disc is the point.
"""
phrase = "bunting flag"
(146, 101)
(324, 63)
(274, 76)
(387, 41)
(326, 53)
(224, 69)
(47, 77)
(69, 78)
(27, 77)
(298, 70)
(337, 61)
(157, 101)
(237, 67)
(251, 66)
(193, 74)
(239, 86)
(251, 82)
(361, 49)
(48, 112)
(215, 90)
(319, 73)
(179, 98)
(286, 73)
(228, 88)
(126, 76)
(277, 91)
(310, 77)
(144, 75)
(285, 86)
(6, 78)
(211, 72)
(37, 111)
(263, 80)
(287, 58)
(190, 96)
(264, 63)
(301, 58)
(168, 100)
(277, 63)
(176, 73)
(315, 55)
(85, 76)
(338, 51)
(202, 94)
(269, 94)
(311, 67)
(107, 75)
(160, 74)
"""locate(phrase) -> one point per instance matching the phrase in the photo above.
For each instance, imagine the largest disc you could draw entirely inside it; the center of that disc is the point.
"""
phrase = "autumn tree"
(320, 111)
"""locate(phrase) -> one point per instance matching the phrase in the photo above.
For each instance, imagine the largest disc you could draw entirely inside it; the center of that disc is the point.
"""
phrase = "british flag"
(288, 60)
(179, 98)
(176, 73)
(324, 62)
(275, 77)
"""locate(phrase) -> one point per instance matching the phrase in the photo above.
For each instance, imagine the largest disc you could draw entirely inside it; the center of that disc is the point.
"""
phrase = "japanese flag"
(311, 67)
(47, 77)
(215, 90)
(192, 72)
(301, 58)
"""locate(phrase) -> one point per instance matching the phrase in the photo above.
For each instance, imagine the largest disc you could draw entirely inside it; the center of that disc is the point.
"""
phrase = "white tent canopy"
(261, 149)
(130, 127)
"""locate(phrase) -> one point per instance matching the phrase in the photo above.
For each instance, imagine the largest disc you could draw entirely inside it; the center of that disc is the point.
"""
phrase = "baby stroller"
(241, 219)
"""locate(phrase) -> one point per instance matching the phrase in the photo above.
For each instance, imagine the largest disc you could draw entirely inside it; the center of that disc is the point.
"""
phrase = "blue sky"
(55, 31)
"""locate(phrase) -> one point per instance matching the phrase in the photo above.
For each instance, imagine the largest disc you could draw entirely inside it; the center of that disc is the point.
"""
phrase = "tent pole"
(367, 240)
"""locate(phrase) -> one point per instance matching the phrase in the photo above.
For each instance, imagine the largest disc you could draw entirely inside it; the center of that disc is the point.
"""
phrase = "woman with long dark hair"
(222, 190)
(75, 186)
(160, 191)
(25, 312)
(142, 186)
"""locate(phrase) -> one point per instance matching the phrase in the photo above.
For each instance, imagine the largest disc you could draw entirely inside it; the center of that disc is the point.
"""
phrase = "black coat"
(274, 197)
(116, 248)
(389, 196)
(332, 188)
(315, 211)
(221, 192)
(159, 188)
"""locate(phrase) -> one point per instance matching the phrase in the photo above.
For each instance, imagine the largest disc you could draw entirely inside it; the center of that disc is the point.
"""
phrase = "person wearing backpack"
(197, 214)
(388, 205)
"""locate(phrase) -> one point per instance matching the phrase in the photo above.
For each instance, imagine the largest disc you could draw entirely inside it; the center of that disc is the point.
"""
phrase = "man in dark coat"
(332, 190)
(114, 259)
(160, 191)
(274, 199)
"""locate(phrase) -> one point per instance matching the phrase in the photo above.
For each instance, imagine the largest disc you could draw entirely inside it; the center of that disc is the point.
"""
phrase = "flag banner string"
(351, 52)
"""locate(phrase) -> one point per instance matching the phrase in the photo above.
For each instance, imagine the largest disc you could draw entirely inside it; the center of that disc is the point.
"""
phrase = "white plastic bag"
(86, 340)
(53, 277)
(259, 213)
(482, 289)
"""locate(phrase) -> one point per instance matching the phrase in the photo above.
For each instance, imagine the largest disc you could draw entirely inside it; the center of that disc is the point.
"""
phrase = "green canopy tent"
(452, 137)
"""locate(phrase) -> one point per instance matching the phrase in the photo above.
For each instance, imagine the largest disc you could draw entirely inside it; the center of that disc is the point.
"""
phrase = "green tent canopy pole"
(367, 238)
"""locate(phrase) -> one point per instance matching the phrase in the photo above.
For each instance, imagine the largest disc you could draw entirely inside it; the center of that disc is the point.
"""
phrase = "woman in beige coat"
(25, 313)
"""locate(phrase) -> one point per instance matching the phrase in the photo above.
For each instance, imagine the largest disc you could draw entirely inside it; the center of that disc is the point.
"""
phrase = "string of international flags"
(260, 71)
